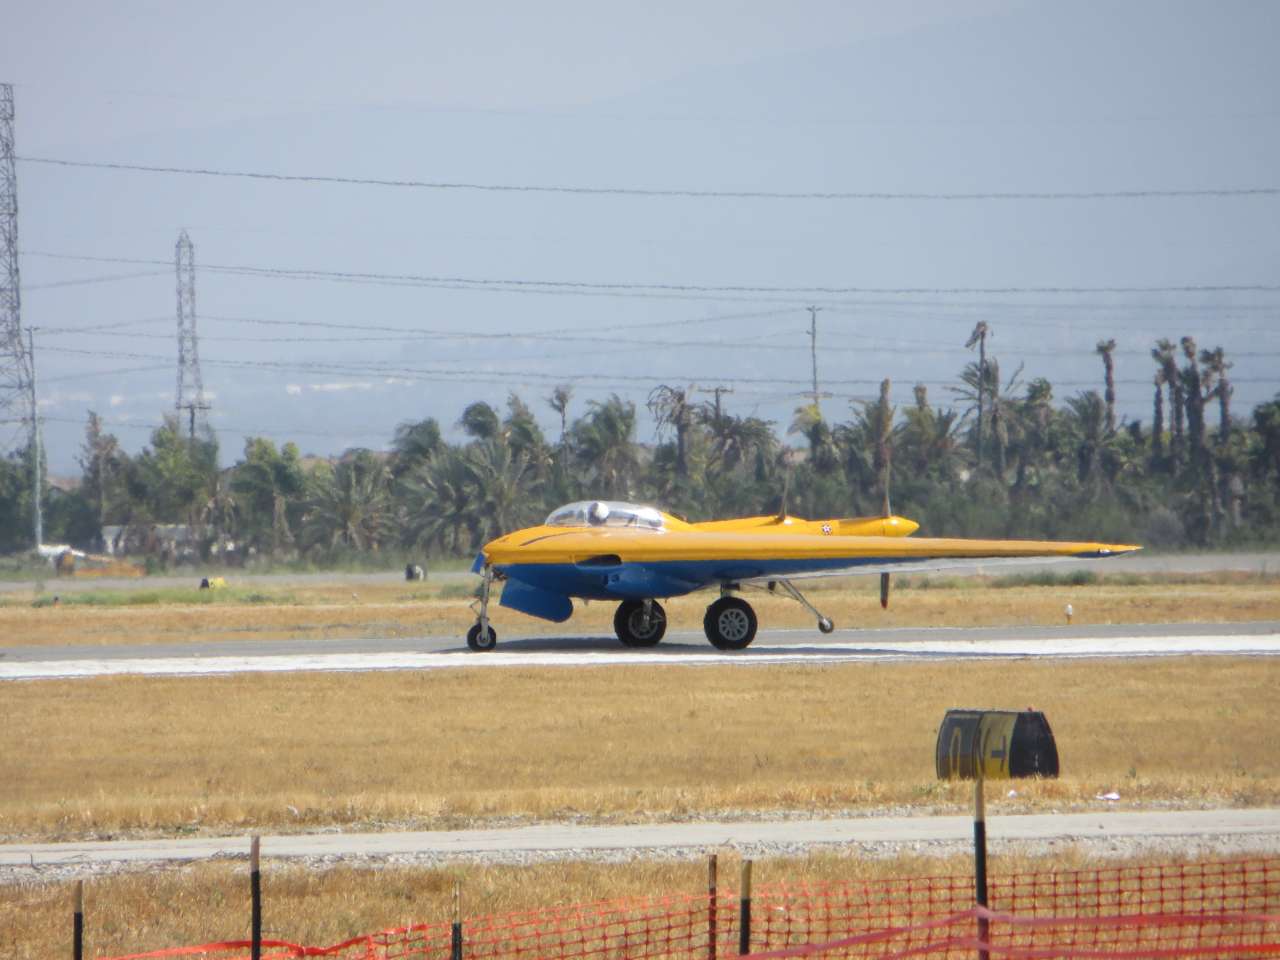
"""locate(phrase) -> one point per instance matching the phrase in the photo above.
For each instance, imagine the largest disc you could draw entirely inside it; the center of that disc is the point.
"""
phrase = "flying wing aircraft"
(638, 555)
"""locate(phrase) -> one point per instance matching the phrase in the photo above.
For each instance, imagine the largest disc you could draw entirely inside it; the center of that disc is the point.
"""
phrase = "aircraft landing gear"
(479, 645)
(730, 624)
(824, 623)
(482, 637)
(640, 623)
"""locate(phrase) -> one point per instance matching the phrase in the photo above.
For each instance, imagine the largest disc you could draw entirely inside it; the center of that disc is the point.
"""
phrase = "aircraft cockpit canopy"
(605, 513)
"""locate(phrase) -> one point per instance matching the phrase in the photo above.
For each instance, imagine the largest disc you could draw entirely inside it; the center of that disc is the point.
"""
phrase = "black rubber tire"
(626, 623)
(730, 624)
(478, 645)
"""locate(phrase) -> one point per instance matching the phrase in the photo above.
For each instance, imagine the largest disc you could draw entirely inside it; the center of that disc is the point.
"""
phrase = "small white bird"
(1069, 612)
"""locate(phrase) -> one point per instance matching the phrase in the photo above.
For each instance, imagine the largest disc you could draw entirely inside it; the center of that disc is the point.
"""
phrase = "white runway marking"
(819, 652)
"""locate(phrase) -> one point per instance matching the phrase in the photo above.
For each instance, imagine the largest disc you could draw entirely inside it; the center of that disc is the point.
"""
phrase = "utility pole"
(14, 362)
(717, 391)
(37, 460)
(813, 349)
(190, 393)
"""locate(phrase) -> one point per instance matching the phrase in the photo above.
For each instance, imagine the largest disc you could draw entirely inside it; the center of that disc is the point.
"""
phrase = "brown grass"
(395, 610)
(445, 748)
(209, 902)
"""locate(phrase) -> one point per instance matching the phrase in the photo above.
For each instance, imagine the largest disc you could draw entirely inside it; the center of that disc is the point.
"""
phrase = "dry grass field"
(148, 756)
(115, 756)
(392, 610)
(210, 902)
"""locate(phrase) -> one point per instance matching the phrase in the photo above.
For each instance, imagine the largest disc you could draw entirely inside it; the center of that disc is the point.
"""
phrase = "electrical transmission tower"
(17, 353)
(190, 395)
(15, 364)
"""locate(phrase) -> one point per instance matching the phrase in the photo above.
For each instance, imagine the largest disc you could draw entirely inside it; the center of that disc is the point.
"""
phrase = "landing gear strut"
(824, 624)
(482, 637)
(640, 623)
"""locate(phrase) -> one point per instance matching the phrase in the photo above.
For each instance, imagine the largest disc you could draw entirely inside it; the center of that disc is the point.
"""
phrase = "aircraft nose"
(900, 527)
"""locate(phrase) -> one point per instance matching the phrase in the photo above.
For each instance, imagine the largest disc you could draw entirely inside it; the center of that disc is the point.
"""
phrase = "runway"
(685, 648)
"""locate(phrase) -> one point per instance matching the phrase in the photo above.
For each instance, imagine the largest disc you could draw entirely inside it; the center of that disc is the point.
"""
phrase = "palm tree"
(559, 401)
(1087, 422)
(984, 381)
(1105, 349)
(1216, 367)
(521, 430)
(670, 407)
(823, 453)
(1195, 405)
(1166, 358)
(1157, 421)
(415, 442)
(267, 483)
(735, 439)
(440, 507)
(220, 514)
(603, 446)
(349, 505)
(867, 442)
(930, 439)
(480, 421)
(504, 487)
(979, 337)
(1034, 416)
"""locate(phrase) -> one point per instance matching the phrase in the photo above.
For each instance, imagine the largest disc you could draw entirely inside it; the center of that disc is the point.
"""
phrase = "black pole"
(255, 897)
(744, 911)
(980, 859)
(711, 900)
(455, 944)
(77, 924)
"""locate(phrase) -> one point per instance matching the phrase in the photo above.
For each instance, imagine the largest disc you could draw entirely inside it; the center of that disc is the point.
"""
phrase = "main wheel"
(730, 624)
(629, 625)
(478, 644)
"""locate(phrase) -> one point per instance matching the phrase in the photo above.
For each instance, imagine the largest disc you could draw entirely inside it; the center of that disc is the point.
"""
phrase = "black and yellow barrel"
(995, 745)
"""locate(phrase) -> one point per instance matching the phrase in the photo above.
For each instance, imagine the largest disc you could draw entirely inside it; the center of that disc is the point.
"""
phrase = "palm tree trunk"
(1157, 422)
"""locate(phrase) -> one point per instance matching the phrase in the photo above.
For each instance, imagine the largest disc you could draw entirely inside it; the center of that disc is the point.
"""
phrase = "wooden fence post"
(255, 899)
(711, 907)
(455, 946)
(980, 858)
(744, 911)
(77, 924)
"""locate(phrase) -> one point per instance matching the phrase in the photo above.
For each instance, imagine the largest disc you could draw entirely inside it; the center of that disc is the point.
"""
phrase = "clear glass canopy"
(605, 513)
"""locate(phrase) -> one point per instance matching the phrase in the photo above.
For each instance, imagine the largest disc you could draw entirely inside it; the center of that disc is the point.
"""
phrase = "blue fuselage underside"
(669, 578)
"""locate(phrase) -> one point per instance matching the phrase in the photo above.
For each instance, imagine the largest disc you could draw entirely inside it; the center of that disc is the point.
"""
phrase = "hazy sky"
(819, 97)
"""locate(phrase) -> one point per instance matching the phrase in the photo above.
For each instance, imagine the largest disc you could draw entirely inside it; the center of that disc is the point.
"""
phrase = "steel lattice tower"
(190, 395)
(15, 364)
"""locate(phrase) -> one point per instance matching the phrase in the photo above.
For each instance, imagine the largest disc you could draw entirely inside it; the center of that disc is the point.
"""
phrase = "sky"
(329, 312)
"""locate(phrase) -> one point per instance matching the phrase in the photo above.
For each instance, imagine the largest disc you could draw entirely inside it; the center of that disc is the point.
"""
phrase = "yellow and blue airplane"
(638, 555)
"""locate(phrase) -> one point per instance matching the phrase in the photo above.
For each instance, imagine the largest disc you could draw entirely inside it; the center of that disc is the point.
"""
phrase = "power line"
(81, 281)
(624, 287)
(1052, 195)
(505, 375)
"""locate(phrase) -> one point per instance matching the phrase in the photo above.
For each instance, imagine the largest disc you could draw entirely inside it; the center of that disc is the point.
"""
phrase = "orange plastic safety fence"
(1218, 909)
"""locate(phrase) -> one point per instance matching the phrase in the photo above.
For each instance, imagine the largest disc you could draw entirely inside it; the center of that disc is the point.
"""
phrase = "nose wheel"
(482, 637)
(482, 641)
